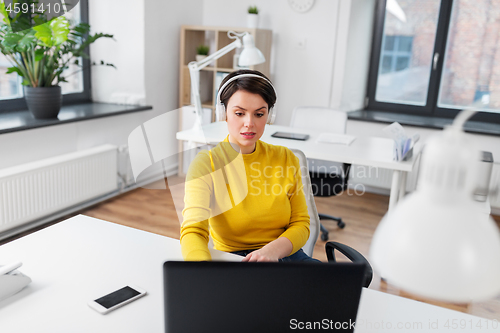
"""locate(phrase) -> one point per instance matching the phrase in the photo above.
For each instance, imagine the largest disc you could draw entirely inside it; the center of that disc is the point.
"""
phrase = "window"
(436, 57)
(77, 89)
(10, 85)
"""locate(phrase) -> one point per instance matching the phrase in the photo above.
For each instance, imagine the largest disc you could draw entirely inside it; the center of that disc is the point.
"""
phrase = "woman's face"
(246, 119)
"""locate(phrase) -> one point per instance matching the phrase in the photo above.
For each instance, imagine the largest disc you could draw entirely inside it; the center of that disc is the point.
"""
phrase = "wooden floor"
(153, 211)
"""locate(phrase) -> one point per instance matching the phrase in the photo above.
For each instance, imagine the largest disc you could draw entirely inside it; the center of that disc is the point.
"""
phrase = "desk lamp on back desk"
(438, 243)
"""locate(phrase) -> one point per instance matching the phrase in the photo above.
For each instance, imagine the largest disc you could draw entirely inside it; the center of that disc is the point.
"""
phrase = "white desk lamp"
(437, 242)
(250, 55)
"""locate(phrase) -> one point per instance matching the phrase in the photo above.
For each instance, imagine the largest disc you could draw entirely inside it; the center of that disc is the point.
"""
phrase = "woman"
(247, 191)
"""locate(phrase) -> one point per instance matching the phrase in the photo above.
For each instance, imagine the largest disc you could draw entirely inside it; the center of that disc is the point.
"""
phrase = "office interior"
(318, 58)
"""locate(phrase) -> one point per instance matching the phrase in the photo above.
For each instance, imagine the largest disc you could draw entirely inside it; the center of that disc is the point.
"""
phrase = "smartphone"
(293, 136)
(116, 299)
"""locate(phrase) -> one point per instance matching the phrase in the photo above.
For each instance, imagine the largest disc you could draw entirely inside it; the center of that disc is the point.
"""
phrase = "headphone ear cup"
(272, 117)
(220, 112)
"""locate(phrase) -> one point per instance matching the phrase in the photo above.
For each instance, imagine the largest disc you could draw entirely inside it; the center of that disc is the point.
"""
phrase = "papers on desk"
(403, 145)
(342, 139)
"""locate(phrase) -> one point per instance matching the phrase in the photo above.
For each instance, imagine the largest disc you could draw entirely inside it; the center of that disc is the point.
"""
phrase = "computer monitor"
(261, 297)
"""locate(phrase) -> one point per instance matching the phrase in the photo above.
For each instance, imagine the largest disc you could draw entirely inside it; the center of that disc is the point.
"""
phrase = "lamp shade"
(438, 242)
(250, 55)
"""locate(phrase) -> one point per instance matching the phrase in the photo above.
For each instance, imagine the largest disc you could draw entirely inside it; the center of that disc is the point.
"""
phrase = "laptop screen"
(261, 297)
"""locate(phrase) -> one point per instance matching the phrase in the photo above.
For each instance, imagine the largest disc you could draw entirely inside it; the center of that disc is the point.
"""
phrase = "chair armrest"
(353, 255)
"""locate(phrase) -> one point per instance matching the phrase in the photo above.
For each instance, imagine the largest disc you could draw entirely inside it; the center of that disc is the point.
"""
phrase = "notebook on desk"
(342, 139)
(261, 297)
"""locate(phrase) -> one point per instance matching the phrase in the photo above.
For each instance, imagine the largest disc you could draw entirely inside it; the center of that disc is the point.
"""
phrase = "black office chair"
(352, 255)
(324, 183)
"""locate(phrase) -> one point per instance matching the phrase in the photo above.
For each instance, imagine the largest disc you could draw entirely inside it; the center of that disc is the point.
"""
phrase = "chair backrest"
(311, 205)
(320, 119)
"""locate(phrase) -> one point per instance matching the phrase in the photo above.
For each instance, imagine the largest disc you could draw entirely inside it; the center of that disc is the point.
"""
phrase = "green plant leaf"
(82, 28)
(10, 41)
(14, 70)
(27, 42)
(53, 33)
(4, 13)
(44, 34)
(60, 28)
(39, 53)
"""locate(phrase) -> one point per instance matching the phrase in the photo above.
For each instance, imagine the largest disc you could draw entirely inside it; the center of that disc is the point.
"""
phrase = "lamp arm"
(198, 65)
(194, 69)
(462, 118)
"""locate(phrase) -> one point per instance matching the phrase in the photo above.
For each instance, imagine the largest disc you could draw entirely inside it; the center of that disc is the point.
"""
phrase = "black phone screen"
(117, 297)
(293, 136)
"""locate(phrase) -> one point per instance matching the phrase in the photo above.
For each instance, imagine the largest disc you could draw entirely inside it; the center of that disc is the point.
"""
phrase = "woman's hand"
(272, 252)
(261, 255)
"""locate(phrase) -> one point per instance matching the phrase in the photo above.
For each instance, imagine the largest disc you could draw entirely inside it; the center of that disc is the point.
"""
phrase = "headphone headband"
(219, 93)
(221, 109)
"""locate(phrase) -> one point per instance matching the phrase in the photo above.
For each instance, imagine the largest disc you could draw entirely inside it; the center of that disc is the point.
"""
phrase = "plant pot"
(200, 57)
(43, 102)
(252, 20)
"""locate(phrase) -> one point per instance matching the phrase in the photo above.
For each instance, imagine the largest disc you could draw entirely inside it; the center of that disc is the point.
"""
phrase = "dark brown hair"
(251, 84)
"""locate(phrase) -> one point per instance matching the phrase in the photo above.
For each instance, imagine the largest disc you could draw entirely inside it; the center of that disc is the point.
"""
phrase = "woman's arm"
(277, 249)
(194, 228)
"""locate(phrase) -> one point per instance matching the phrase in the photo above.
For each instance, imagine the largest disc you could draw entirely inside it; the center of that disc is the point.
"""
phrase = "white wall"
(352, 54)
(301, 76)
(162, 42)
(124, 19)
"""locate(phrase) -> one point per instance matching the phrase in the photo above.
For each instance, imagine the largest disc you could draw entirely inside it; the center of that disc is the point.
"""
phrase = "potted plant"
(253, 17)
(202, 52)
(41, 53)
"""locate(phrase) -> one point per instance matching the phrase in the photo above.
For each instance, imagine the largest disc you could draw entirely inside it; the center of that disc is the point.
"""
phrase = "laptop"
(205, 297)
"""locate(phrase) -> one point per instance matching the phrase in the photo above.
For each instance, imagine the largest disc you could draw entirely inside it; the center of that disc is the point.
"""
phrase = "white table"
(366, 151)
(82, 258)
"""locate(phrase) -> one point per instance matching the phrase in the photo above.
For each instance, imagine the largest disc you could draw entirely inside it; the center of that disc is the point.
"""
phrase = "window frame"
(18, 104)
(430, 109)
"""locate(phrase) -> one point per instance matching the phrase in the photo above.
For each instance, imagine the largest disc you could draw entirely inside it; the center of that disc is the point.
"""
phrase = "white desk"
(366, 151)
(83, 258)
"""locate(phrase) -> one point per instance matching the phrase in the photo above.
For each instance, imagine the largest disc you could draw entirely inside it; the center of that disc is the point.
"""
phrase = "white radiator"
(38, 189)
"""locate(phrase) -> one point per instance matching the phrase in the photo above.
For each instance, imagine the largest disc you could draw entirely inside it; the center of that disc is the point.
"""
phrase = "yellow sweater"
(248, 200)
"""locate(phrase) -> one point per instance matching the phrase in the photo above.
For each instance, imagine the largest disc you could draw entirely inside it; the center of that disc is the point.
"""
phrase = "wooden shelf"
(208, 68)
(227, 70)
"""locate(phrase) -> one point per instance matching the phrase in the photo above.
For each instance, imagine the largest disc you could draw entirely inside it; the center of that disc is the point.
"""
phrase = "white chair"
(311, 205)
(327, 178)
